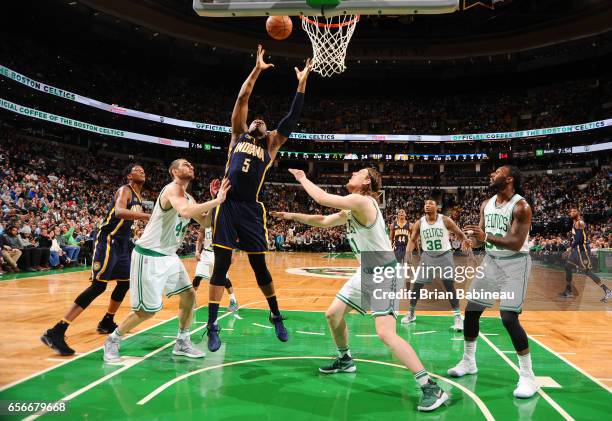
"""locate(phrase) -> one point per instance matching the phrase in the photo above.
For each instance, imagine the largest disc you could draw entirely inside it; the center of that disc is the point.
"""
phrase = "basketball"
(279, 27)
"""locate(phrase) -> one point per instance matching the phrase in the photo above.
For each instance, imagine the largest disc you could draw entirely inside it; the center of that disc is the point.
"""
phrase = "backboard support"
(240, 8)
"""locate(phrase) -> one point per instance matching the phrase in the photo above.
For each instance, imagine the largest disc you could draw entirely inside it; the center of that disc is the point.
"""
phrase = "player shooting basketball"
(242, 218)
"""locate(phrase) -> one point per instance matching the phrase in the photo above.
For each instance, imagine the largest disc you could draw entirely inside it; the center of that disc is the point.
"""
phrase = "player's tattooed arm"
(322, 221)
(241, 107)
(452, 227)
(121, 210)
(514, 239)
(412, 241)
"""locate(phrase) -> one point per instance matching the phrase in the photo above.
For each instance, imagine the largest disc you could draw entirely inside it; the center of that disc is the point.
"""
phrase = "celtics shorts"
(435, 266)
(204, 268)
(152, 274)
(504, 275)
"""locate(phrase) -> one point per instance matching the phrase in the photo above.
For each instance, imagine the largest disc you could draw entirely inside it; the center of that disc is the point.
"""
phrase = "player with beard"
(155, 265)
(505, 221)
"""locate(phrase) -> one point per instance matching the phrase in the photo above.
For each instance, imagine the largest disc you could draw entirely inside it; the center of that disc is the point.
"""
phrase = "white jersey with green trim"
(497, 221)
(165, 230)
(368, 238)
(207, 243)
(434, 237)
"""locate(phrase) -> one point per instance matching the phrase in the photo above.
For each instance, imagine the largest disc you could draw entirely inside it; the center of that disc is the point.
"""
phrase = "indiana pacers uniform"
(155, 264)
(505, 271)
(371, 244)
(581, 250)
(113, 248)
(240, 221)
(401, 234)
(437, 255)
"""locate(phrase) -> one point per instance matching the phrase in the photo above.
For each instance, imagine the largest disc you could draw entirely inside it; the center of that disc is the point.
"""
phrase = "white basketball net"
(330, 37)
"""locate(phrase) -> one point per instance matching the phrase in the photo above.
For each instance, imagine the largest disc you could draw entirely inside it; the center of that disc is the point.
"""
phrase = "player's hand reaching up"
(302, 75)
(225, 186)
(281, 215)
(215, 185)
(260, 63)
(298, 174)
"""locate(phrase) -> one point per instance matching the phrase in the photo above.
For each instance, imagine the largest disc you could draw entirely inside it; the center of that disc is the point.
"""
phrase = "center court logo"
(332, 272)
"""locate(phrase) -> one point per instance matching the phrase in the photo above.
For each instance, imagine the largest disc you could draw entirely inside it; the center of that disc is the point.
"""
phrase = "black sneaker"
(56, 342)
(339, 365)
(279, 327)
(106, 326)
(566, 294)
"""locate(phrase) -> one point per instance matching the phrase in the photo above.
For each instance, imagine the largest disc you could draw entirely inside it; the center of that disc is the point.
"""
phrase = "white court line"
(481, 405)
(367, 336)
(535, 335)
(548, 399)
(423, 333)
(310, 333)
(566, 353)
(490, 334)
(257, 324)
(456, 339)
(570, 364)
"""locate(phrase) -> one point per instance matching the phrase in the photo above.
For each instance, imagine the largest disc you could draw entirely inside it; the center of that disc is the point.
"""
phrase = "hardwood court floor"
(578, 331)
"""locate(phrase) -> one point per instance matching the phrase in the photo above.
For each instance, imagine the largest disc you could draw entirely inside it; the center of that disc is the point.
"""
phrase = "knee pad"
(513, 326)
(120, 290)
(223, 260)
(91, 293)
(196, 281)
(262, 274)
(471, 323)
(228, 283)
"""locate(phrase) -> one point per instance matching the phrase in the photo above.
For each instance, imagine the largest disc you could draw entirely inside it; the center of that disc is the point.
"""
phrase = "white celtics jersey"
(497, 221)
(368, 238)
(165, 230)
(434, 237)
(207, 244)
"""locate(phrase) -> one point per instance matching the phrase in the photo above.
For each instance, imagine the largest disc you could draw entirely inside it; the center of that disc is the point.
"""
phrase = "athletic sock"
(457, 312)
(273, 305)
(109, 316)
(232, 297)
(344, 351)
(61, 326)
(525, 364)
(605, 288)
(422, 377)
(183, 334)
(469, 350)
(115, 336)
(213, 310)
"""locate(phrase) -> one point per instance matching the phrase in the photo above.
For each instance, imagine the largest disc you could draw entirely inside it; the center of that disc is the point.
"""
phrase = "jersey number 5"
(246, 164)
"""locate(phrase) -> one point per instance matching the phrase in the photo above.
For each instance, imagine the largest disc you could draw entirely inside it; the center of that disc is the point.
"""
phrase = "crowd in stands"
(54, 196)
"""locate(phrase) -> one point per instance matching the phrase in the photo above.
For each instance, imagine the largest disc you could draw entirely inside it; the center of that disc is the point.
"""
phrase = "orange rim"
(331, 25)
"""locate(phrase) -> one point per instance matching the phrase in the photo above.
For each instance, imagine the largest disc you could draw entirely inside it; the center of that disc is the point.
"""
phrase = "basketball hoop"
(330, 37)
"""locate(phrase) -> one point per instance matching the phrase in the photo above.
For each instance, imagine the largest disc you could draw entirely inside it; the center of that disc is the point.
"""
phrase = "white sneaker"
(111, 351)
(185, 348)
(464, 367)
(458, 324)
(526, 387)
(408, 318)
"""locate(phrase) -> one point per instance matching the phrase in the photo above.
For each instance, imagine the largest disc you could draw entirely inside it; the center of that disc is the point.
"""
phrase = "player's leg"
(432, 396)
(54, 338)
(343, 363)
(471, 328)
(264, 281)
(449, 285)
(587, 269)
(233, 303)
(119, 270)
(223, 260)
(569, 272)
(113, 342)
(527, 385)
(414, 298)
(183, 344)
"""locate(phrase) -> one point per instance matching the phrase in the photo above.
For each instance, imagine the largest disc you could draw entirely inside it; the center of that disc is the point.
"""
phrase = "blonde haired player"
(436, 257)
(156, 267)
(366, 233)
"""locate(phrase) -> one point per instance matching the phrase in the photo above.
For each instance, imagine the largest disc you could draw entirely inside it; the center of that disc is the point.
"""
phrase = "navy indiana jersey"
(579, 236)
(246, 168)
(116, 227)
(401, 234)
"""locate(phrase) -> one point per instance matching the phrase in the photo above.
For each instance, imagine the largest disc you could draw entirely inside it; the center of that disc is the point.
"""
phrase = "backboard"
(235, 8)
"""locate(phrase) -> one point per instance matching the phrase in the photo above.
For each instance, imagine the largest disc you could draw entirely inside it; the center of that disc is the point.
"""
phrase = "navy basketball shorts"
(241, 225)
(580, 257)
(400, 253)
(111, 259)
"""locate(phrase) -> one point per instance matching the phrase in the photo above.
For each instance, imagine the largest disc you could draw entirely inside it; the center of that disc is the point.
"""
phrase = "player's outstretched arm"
(289, 122)
(174, 194)
(241, 108)
(514, 239)
(353, 202)
(321, 221)
(121, 210)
